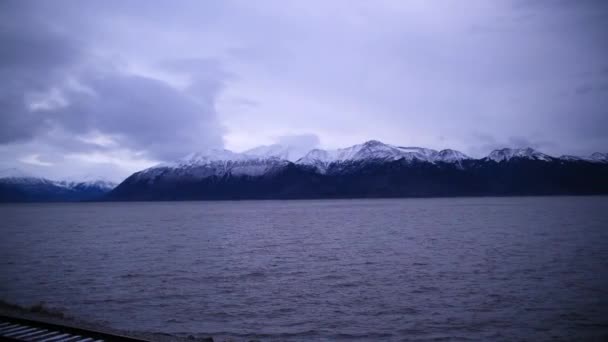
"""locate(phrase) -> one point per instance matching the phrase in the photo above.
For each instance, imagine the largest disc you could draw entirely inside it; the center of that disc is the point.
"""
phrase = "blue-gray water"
(403, 269)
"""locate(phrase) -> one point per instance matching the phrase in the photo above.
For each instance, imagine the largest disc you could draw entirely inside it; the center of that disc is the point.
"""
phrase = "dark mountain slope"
(399, 178)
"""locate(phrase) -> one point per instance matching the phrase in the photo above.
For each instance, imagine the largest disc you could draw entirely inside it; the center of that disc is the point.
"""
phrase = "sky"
(111, 87)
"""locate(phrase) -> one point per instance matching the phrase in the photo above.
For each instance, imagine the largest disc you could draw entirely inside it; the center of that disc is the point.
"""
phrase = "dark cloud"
(523, 142)
(591, 88)
(121, 80)
(146, 114)
(34, 58)
(51, 80)
(561, 5)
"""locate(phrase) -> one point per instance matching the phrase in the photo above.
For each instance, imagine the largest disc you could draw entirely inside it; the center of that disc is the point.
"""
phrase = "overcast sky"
(111, 87)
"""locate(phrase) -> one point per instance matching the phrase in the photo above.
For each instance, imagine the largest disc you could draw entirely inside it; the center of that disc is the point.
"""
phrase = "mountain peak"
(374, 151)
(599, 157)
(87, 178)
(373, 143)
(87, 181)
(449, 155)
(218, 162)
(506, 154)
(211, 154)
(568, 157)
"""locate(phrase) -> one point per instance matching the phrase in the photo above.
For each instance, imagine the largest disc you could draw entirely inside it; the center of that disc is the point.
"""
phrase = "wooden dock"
(20, 329)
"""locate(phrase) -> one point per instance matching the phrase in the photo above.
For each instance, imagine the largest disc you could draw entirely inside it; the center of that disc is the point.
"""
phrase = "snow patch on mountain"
(570, 158)
(100, 184)
(18, 176)
(207, 157)
(216, 162)
(276, 151)
(377, 151)
(318, 159)
(598, 157)
(270, 158)
(371, 150)
(450, 156)
(507, 154)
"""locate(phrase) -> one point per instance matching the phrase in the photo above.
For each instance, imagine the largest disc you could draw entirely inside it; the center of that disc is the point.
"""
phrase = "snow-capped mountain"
(17, 185)
(596, 157)
(450, 156)
(17, 176)
(376, 151)
(570, 158)
(319, 159)
(507, 154)
(101, 184)
(271, 158)
(215, 162)
(266, 159)
(371, 169)
(599, 157)
(285, 152)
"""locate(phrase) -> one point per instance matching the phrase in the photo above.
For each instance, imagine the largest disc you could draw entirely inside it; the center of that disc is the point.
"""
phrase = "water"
(403, 269)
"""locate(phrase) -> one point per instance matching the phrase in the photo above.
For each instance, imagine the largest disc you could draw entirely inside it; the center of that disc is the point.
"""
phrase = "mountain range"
(18, 186)
(371, 169)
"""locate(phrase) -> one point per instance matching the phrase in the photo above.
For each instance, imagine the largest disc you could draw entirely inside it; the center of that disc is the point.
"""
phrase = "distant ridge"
(370, 169)
(19, 186)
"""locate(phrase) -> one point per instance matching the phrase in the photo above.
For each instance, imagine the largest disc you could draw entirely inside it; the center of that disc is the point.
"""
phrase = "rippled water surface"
(403, 269)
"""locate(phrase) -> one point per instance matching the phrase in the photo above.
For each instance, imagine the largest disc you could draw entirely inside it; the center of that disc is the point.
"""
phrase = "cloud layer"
(117, 86)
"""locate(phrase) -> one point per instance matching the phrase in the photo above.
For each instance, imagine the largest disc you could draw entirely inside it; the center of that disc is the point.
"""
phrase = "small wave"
(254, 274)
(267, 336)
(366, 336)
(425, 289)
